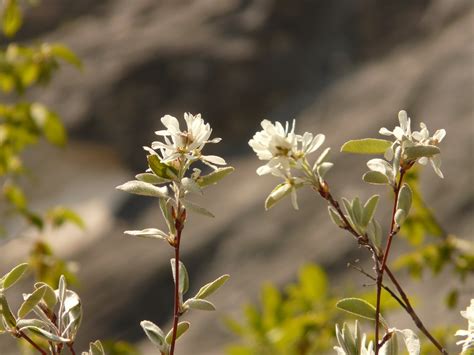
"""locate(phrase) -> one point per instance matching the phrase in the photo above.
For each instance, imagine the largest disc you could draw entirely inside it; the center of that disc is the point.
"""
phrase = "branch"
(412, 312)
(21, 334)
(380, 270)
(179, 224)
(363, 240)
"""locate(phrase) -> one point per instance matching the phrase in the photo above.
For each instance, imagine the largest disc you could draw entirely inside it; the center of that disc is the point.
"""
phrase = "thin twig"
(33, 344)
(323, 190)
(71, 348)
(179, 224)
(412, 312)
(380, 270)
(385, 287)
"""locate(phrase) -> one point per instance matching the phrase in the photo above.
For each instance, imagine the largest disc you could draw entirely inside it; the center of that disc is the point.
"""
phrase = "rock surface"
(340, 68)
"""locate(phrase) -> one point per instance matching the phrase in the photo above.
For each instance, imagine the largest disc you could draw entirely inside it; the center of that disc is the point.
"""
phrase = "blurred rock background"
(342, 68)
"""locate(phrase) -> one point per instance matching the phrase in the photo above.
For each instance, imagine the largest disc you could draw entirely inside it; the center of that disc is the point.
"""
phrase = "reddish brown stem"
(380, 270)
(33, 344)
(179, 224)
(324, 192)
(412, 312)
(71, 348)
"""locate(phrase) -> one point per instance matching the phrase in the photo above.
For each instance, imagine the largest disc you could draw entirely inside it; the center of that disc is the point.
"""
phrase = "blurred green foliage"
(434, 249)
(22, 125)
(299, 320)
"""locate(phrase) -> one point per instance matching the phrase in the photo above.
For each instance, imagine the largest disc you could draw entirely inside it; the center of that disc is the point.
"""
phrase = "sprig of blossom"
(187, 143)
(468, 342)
(286, 154)
(416, 146)
(169, 163)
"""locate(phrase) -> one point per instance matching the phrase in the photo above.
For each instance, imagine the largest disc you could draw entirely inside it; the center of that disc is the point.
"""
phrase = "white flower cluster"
(285, 150)
(468, 343)
(351, 343)
(188, 143)
(414, 146)
(169, 162)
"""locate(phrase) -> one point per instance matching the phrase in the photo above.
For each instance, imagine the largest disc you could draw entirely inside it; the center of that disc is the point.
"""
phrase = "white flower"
(422, 137)
(467, 343)
(187, 143)
(405, 138)
(281, 146)
(402, 132)
(355, 341)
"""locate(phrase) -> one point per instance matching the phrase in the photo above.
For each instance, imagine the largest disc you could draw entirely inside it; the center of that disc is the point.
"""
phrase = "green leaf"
(182, 327)
(49, 123)
(349, 340)
(375, 177)
(196, 208)
(418, 151)
(161, 169)
(412, 342)
(183, 276)
(212, 287)
(165, 207)
(358, 307)
(31, 301)
(13, 276)
(45, 334)
(357, 210)
(148, 233)
(34, 322)
(15, 196)
(214, 177)
(366, 146)
(451, 299)
(337, 220)
(143, 188)
(200, 304)
(278, 193)
(6, 312)
(151, 178)
(96, 348)
(49, 296)
(60, 51)
(369, 210)
(61, 215)
(154, 333)
(400, 217)
(54, 131)
(374, 232)
(405, 199)
(12, 18)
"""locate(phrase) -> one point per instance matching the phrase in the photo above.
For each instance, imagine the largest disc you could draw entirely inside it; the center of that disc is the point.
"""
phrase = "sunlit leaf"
(31, 301)
(161, 169)
(66, 54)
(200, 304)
(143, 188)
(215, 176)
(212, 287)
(418, 151)
(182, 328)
(11, 18)
(366, 146)
(196, 208)
(13, 276)
(154, 333)
(375, 177)
(183, 276)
